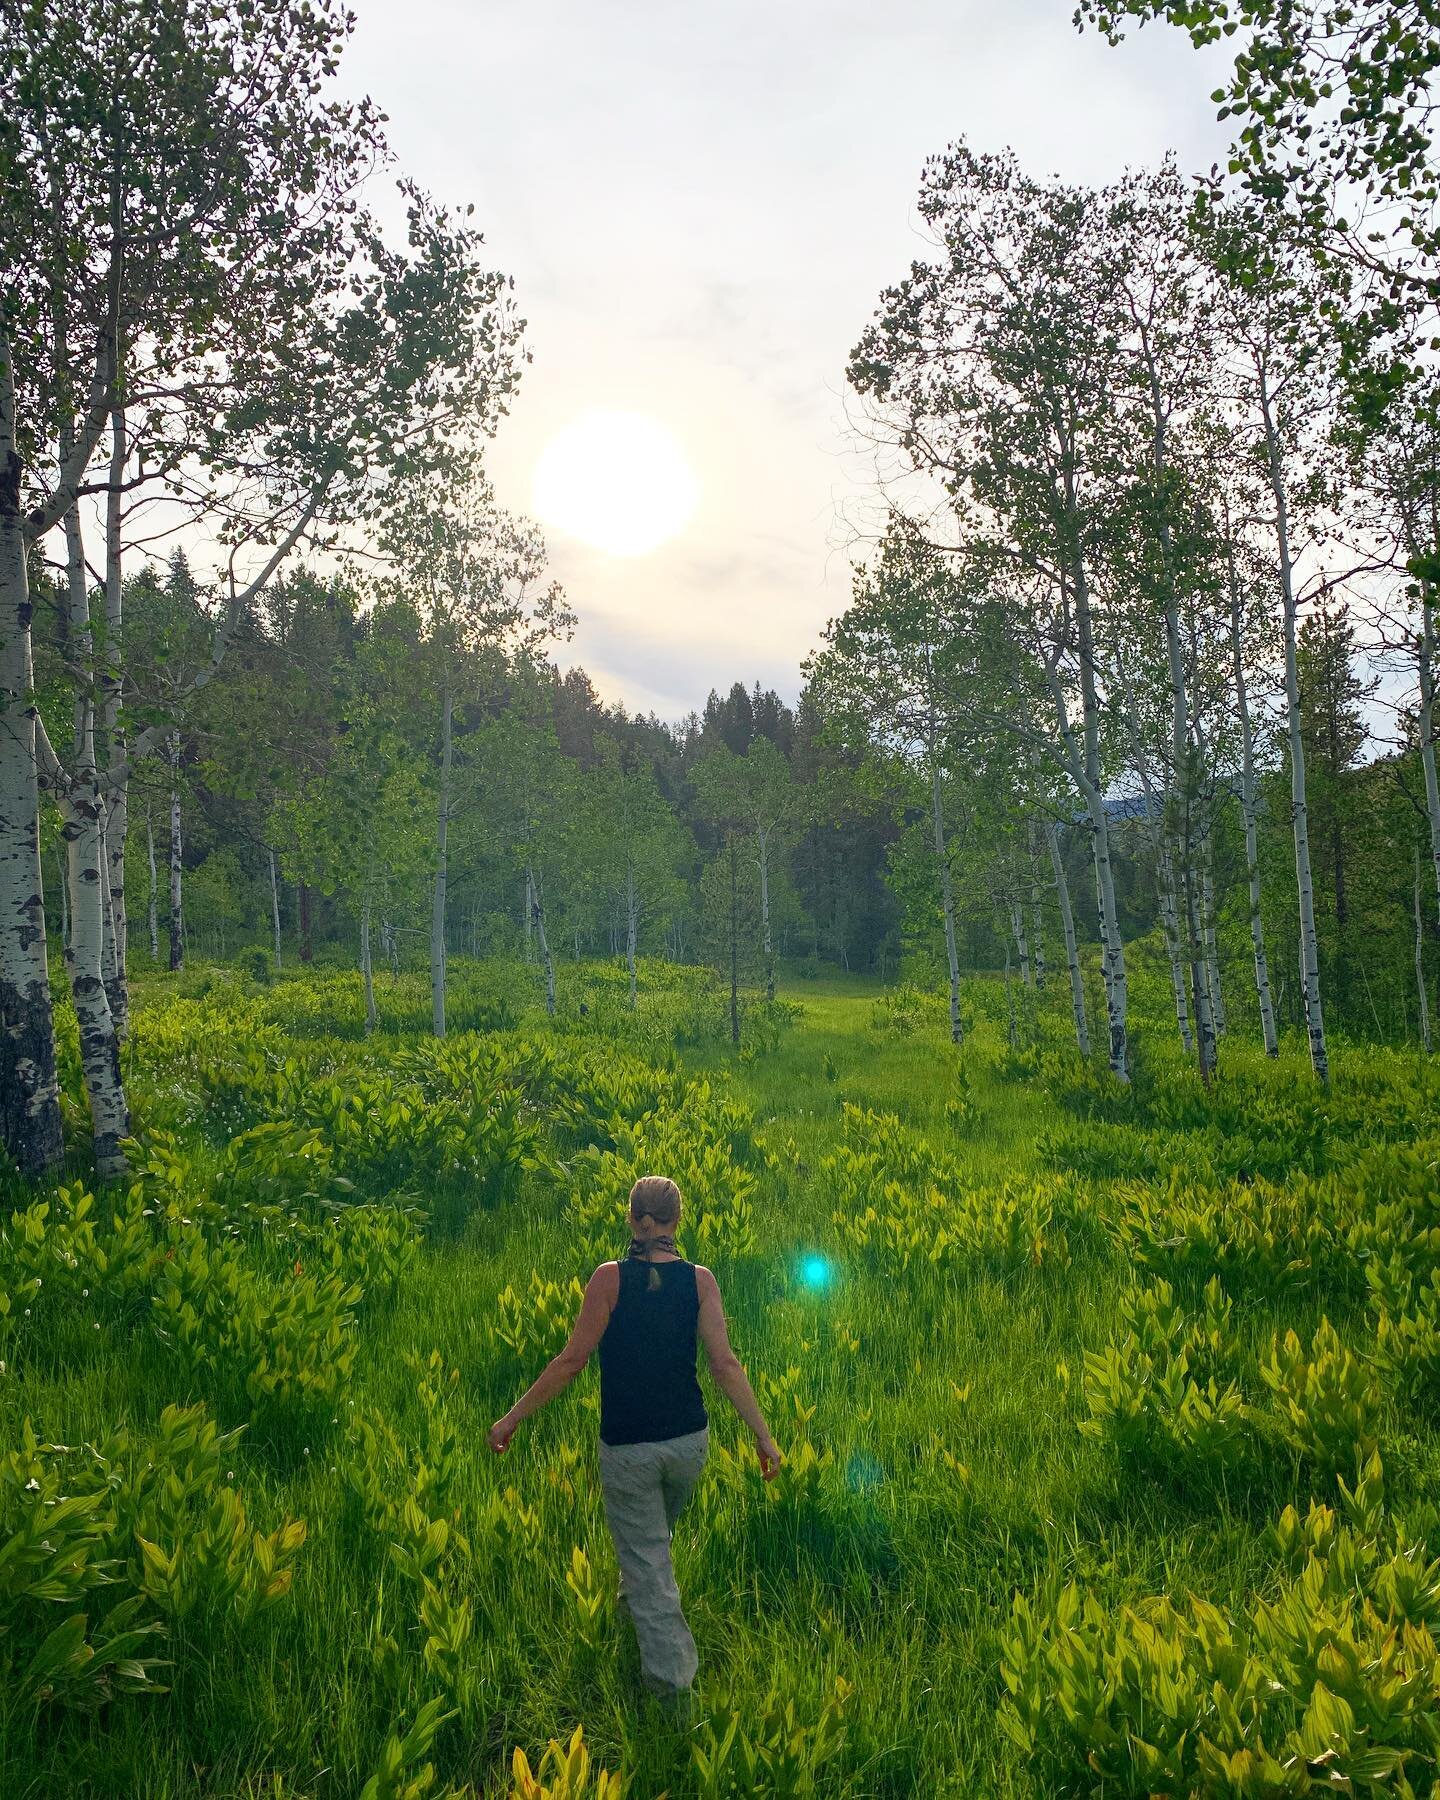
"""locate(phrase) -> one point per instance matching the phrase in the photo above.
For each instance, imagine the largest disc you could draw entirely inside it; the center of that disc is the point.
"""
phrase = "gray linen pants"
(645, 1488)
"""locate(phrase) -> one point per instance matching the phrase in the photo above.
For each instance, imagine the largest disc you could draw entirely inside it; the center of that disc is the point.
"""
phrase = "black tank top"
(648, 1386)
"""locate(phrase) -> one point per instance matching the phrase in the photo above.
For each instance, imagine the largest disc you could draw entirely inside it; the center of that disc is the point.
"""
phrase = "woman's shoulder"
(705, 1282)
(606, 1278)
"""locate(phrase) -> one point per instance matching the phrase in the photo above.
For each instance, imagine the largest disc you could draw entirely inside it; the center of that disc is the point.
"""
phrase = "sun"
(618, 480)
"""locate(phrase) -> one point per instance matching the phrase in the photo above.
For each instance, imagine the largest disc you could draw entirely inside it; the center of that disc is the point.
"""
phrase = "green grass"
(946, 1407)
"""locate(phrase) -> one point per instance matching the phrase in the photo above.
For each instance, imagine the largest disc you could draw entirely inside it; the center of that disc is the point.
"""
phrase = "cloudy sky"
(699, 204)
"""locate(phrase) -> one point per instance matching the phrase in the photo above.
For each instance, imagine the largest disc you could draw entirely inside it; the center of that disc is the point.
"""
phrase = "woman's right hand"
(769, 1453)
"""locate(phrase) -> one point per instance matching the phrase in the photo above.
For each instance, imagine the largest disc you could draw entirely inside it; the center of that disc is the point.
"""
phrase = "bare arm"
(561, 1370)
(730, 1377)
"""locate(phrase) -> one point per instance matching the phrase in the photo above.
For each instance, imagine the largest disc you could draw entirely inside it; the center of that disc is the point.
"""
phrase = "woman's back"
(649, 1390)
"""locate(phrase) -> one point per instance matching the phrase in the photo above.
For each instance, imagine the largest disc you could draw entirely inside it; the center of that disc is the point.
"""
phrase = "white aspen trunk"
(117, 831)
(632, 927)
(30, 1123)
(1116, 983)
(1103, 926)
(64, 886)
(1211, 925)
(109, 942)
(1170, 931)
(1165, 883)
(947, 900)
(1011, 1037)
(177, 866)
(1199, 991)
(762, 839)
(117, 786)
(529, 922)
(1183, 785)
(1426, 661)
(1424, 998)
(366, 968)
(1305, 890)
(81, 809)
(1183, 768)
(1022, 944)
(1249, 816)
(442, 839)
(543, 941)
(152, 911)
(1067, 912)
(1037, 944)
(99, 1051)
(275, 909)
(1117, 987)
(1180, 785)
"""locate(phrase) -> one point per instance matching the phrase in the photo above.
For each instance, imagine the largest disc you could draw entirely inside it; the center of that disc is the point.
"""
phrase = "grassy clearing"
(915, 1298)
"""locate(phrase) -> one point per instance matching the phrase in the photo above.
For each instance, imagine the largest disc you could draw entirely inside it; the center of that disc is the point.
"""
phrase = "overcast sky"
(700, 204)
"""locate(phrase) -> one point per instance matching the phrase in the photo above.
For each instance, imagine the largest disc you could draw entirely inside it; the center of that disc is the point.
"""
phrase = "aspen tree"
(993, 367)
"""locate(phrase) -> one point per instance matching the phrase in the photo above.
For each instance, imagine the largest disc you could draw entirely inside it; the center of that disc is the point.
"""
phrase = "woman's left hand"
(501, 1433)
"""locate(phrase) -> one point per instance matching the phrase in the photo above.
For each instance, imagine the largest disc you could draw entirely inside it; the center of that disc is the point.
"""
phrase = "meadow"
(1109, 1414)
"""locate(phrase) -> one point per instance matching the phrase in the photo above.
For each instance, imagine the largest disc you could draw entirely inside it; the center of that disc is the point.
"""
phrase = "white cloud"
(700, 206)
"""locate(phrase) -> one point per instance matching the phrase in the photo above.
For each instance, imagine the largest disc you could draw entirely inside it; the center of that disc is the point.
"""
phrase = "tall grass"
(408, 1221)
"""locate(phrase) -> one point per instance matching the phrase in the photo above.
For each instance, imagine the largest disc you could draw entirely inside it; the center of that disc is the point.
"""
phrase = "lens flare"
(815, 1271)
(863, 1472)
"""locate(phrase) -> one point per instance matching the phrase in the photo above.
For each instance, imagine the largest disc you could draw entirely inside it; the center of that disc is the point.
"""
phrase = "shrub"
(74, 1247)
(256, 962)
(58, 1549)
(775, 1752)
(1262, 1235)
(528, 1330)
(199, 1553)
(1327, 1402)
(904, 1010)
(902, 1203)
(281, 1351)
(563, 1773)
(1332, 1680)
(144, 1525)
(1165, 1394)
(706, 1143)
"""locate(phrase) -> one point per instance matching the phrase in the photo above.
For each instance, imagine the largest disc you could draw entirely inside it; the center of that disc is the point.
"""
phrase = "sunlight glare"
(815, 1272)
(618, 480)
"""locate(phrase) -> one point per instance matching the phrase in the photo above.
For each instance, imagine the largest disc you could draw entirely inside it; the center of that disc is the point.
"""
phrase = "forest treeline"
(1144, 647)
(297, 810)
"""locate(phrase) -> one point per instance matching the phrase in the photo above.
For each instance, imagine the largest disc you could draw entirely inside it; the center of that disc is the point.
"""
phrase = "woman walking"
(645, 1315)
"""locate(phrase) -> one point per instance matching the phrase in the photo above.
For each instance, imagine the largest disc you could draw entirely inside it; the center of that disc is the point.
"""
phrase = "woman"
(644, 1315)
